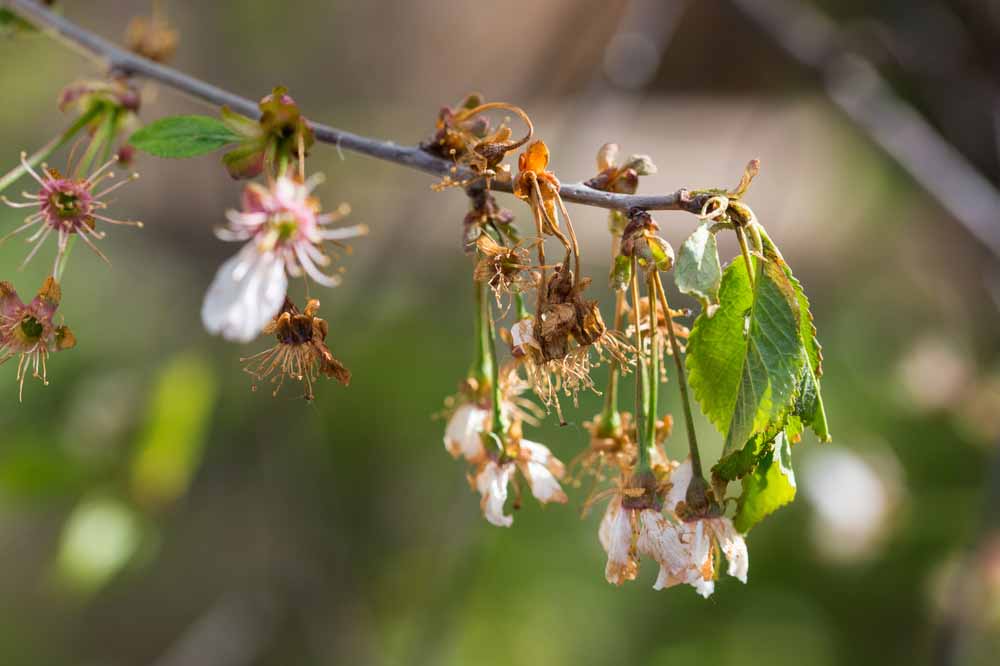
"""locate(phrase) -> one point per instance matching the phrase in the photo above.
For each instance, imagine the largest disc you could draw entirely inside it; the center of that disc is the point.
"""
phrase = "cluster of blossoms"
(285, 233)
(658, 508)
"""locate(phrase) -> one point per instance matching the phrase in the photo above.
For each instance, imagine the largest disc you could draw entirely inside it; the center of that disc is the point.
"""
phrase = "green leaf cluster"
(754, 367)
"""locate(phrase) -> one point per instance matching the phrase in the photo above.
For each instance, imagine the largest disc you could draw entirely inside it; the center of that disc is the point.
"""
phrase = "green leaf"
(770, 487)
(699, 272)
(745, 362)
(809, 406)
(183, 136)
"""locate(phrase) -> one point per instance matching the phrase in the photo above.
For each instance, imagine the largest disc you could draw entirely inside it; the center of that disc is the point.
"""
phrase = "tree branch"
(120, 60)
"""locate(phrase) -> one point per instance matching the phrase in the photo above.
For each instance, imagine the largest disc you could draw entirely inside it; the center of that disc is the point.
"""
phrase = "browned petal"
(534, 158)
(331, 367)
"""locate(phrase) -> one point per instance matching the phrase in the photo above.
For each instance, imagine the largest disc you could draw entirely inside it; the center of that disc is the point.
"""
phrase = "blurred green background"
(154, 510)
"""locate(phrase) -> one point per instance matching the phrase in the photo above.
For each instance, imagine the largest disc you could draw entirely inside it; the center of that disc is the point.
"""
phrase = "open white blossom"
(285, 236)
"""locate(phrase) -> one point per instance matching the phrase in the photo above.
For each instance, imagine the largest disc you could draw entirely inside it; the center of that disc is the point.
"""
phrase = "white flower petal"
(491, 482)
(680, 479)
(461, 436)
(544, 486)
(615, 534)
(734, 547)
(247, 292)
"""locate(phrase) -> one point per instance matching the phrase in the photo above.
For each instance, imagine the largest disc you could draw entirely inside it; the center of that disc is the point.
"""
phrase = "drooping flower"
(285, 235)
(634, 525)
(555, 350)
(647, 516)
(469, 413)
(29, 331)
(68, 206)
(702, 535)
(301, 353)
(537, 465)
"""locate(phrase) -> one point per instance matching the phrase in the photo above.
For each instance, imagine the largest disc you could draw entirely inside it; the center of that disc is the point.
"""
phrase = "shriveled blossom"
(485, 213)
(556, 349)
(301, 353)
(703, 535)
(30, 332)
(647, 516)
(152, 37)
(465, 136)
(615, 451)
(285, 235)
(634, 526)
(68, 206)
(506, 270)
(496, 471)
(681, 332)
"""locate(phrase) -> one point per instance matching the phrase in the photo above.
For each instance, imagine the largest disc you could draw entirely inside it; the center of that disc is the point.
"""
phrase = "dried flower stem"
(128, 63)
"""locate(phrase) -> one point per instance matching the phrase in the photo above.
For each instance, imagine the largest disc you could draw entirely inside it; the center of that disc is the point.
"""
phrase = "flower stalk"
(675, 348)
(642, 388)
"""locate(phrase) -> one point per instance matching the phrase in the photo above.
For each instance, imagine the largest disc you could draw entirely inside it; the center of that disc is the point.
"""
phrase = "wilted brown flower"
(504, 269)
(301, 353)
(152, 37)
(29, 330)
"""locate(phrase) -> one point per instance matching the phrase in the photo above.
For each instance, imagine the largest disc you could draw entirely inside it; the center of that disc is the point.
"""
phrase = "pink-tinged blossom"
(29, 332)
(67, 206)
(285, 235)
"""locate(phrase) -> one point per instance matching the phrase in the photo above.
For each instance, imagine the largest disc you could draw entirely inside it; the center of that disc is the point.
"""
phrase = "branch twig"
(120, 60)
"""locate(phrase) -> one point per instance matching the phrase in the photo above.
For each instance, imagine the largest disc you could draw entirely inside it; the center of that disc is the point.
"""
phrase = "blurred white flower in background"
(855, 499)
(935, 373)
